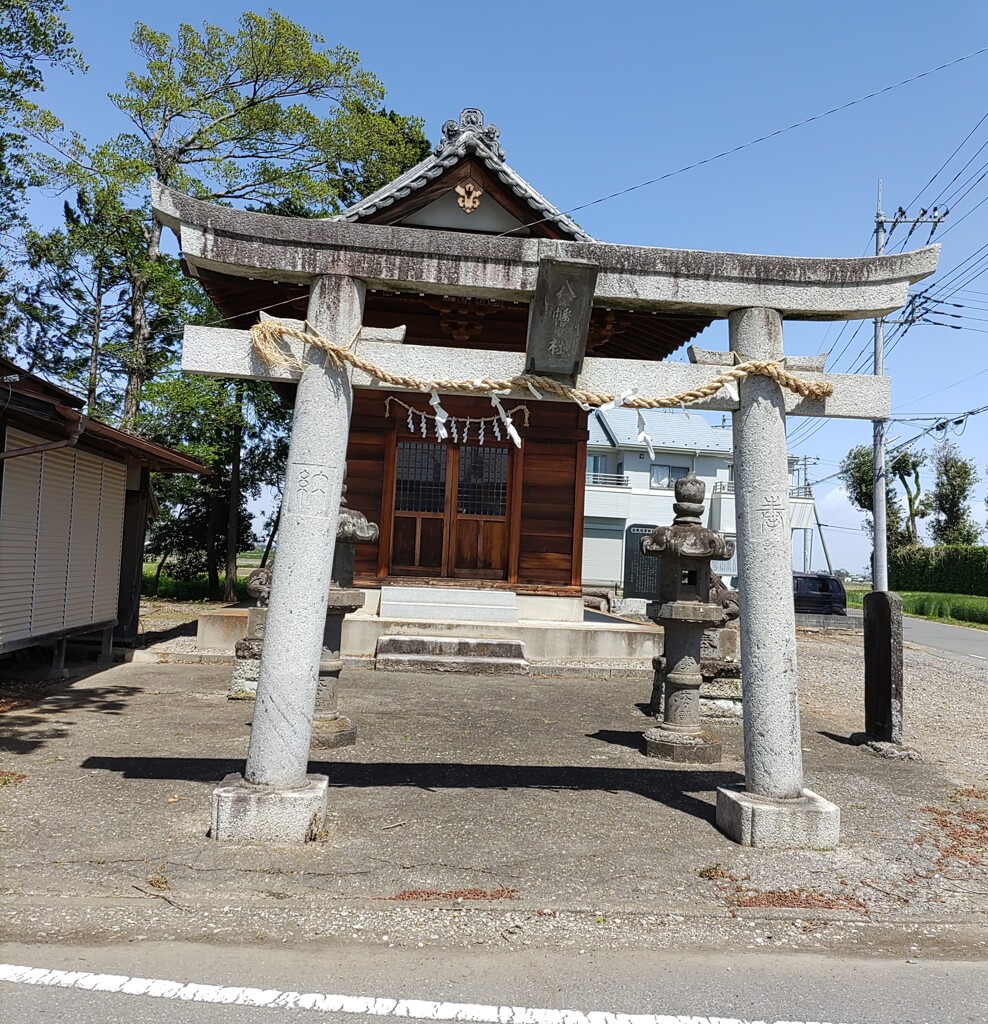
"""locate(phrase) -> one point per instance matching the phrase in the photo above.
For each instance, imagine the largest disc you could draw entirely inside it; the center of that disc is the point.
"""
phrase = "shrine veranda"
(363, 282)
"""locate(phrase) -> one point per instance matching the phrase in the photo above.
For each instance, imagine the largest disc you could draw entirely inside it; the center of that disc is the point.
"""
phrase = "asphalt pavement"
(963, 640)
(511, 987)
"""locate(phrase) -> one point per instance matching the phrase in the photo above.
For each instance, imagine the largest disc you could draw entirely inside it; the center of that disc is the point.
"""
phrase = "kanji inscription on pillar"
(772, 510)
(307, 490)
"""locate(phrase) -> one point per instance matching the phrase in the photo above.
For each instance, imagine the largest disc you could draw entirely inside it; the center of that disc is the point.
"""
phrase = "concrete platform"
(602, 642)
(251, 814)
(448, 604)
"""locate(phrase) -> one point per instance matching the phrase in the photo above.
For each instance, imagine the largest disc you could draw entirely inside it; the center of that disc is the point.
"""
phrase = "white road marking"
(417, 1009)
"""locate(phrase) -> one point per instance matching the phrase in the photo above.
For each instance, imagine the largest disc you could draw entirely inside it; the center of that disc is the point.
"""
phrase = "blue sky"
(592, 98)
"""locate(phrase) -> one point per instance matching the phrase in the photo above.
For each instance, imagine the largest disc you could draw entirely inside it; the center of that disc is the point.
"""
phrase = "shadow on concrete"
(28, 728)
(618, 737)
(672, 787)
(157, 636)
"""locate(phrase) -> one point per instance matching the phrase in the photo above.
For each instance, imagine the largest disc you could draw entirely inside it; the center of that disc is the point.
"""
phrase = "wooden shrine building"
(472, 510)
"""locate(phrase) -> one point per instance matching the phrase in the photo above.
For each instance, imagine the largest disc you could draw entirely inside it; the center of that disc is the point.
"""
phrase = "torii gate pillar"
(276, 800)
(772, 809)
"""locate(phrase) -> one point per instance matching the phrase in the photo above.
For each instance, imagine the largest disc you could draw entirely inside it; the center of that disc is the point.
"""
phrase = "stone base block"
(330, 733)
(702, 748)
(243, 685)
(243, 813)
(806, 823)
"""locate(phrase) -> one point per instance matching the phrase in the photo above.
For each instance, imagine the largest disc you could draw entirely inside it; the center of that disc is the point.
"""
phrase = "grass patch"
(195, 589)
(967, 609)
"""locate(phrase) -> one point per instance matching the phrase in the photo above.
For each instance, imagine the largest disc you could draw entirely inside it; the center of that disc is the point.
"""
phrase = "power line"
(755, 142)
(960, 146)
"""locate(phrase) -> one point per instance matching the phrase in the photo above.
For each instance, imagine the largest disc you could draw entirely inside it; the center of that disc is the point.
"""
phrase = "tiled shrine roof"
(471, 137)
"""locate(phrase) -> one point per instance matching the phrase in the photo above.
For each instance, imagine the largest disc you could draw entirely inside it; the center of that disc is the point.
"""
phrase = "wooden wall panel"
(551, 520)
(365, 471)
(546, 519)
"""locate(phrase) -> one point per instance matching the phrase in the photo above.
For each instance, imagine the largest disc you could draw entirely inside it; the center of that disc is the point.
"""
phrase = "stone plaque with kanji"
(559, 316)
(641, 573)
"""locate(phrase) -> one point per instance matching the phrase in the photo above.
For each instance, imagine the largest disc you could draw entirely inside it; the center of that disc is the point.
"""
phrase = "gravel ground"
(170, 626)
(493, 811)
(946, 699)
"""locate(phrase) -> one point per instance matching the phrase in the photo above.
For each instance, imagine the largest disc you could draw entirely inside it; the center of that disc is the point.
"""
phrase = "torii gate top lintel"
(643, 278)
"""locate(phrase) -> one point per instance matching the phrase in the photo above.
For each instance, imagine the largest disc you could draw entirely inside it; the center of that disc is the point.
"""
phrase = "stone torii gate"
(277, 800)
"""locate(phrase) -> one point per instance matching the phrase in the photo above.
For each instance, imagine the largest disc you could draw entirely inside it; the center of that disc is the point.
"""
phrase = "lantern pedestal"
(685, 611)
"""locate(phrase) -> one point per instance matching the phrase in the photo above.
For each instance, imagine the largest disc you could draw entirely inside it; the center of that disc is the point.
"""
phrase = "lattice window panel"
(420, 477)
(483, 482)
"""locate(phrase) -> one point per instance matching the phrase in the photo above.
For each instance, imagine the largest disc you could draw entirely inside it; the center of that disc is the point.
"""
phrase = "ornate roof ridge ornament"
(471, 124)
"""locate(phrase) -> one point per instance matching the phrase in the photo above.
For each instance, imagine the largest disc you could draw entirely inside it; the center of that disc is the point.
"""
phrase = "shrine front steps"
(476, 656)
(447, 604)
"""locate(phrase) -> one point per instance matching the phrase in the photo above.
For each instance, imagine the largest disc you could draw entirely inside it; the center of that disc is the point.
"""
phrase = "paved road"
(496, 985)
(972, 643)
(962, 640)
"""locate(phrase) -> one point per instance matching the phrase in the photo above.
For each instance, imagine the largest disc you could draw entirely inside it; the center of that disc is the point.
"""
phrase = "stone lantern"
(684, 609)
(330, 729)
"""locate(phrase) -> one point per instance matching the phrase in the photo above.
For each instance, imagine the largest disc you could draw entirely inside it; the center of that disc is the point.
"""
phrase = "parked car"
(818, 594)
(814, 593)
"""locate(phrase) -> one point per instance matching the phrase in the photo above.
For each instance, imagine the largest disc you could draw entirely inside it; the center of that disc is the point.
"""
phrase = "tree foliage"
(952, 521)
(266, 113)
(33, 36)
(856, 472)
(263, 115)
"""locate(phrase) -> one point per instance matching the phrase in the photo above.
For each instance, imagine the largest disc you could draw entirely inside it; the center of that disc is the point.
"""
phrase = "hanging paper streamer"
(440, 416)
(481, 435)
(643, 437)
(458, 430)
(506, 420)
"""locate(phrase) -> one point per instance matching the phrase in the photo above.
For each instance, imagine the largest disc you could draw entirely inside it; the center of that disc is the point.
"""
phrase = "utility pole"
(884, 676)
(823, 539)
(880, 562)
(807, 534)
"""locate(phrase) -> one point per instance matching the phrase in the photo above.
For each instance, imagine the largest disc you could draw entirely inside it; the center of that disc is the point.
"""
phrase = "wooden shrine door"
(451, 510)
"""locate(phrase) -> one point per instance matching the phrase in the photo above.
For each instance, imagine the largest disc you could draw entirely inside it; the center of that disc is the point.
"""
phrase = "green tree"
(33, 37)
(857, 474)
(905, 466)
(196, 415)
(240, 431)
(955, 479)
(229, 116)
(82, 268)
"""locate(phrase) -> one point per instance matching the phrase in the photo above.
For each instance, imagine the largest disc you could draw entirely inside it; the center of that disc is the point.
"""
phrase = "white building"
(629, 490)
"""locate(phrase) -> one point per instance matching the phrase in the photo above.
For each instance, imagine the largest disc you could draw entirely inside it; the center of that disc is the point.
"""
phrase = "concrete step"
(451, 663)
(451, 646)
(476, 655)
(446, 604)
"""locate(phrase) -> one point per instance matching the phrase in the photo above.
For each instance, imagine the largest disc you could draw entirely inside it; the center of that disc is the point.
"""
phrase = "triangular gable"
(465, 185)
